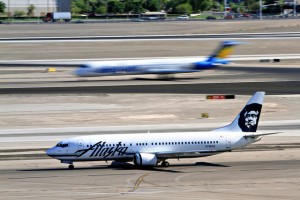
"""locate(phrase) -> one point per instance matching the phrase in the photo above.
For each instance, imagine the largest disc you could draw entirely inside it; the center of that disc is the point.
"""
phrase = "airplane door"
(80, 145)
(228, 142)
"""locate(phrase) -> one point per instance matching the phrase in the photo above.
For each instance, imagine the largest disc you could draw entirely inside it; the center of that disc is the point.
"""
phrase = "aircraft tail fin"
(223, 51)
(247, 119)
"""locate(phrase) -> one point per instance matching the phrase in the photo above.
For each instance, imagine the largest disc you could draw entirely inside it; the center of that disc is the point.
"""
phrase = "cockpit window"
(84, 66)
(62, 145)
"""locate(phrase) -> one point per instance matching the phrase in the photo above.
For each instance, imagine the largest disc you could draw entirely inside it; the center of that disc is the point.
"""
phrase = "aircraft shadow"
(135, 79)
(166, 79)
(129, 166)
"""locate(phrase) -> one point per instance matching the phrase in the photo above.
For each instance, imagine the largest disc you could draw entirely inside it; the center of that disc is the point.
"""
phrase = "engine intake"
(145, 159)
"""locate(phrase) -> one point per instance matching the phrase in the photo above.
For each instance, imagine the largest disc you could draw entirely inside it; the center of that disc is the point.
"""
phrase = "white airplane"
(152, 148)
(157, 66)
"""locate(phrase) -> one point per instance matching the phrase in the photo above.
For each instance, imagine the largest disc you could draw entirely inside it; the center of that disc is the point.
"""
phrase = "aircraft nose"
(50, 152)
(80, 72)
(77, 72)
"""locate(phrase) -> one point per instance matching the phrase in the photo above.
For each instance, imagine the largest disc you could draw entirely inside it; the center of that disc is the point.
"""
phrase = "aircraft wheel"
(71, 167)
(165, 164)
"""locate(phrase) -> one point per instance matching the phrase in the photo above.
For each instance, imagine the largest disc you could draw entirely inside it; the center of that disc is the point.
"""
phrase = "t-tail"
(219, 56)
(247, 120)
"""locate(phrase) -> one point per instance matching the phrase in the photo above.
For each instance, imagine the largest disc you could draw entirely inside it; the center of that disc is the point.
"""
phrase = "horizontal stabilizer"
(259, 134)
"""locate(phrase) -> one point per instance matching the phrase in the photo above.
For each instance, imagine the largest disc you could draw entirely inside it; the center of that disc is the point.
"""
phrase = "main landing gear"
(71, 167)
(165, 164)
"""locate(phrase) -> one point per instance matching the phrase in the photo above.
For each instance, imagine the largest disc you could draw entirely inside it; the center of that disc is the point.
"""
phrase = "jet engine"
(210, 63)
(145, 159)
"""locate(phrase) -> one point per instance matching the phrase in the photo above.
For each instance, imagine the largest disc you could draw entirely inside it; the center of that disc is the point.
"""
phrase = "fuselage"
(149, 66)
(153, 148)
(157, 66)
(163, 145)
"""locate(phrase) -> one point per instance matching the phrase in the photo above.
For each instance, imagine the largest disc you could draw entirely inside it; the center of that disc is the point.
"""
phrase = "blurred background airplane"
(157, 66)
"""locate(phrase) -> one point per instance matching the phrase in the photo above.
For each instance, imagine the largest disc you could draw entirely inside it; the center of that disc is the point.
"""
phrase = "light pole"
(295, 13)
(8, 9)
(225, 3)
(260, 9)
(47, 6)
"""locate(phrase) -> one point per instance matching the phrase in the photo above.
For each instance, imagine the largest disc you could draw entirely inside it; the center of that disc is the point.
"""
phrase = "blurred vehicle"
(284, 16)
(210, 17)
(246, 15)
(55, 16)
(237, 15)
(183, 17)
(229, 16)
(153, 16)
(137, 20)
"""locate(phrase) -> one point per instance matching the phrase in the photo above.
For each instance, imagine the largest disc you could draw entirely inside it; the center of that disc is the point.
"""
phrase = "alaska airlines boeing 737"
(157, 66)
(152, 148)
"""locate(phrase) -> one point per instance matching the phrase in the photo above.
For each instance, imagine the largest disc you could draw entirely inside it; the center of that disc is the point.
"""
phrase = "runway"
(249, 178)
(256, 36)
(232, 79)
(282, 87)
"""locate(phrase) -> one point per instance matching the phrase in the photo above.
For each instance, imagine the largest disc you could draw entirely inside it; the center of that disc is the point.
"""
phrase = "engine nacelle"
(210, 63)
(204, 65)
(145, 159)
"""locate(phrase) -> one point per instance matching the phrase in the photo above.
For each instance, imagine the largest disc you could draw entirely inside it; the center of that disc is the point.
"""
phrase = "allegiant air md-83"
(152, 148)
(157, 66)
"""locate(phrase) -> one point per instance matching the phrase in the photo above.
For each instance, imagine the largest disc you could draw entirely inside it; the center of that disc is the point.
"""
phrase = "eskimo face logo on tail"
(249, 117)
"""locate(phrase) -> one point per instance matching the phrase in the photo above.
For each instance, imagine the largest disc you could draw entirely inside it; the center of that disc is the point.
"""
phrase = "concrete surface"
(268, 169)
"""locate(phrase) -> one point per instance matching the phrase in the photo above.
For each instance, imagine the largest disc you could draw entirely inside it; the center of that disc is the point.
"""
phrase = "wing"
(168, 71)
(187, 154)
